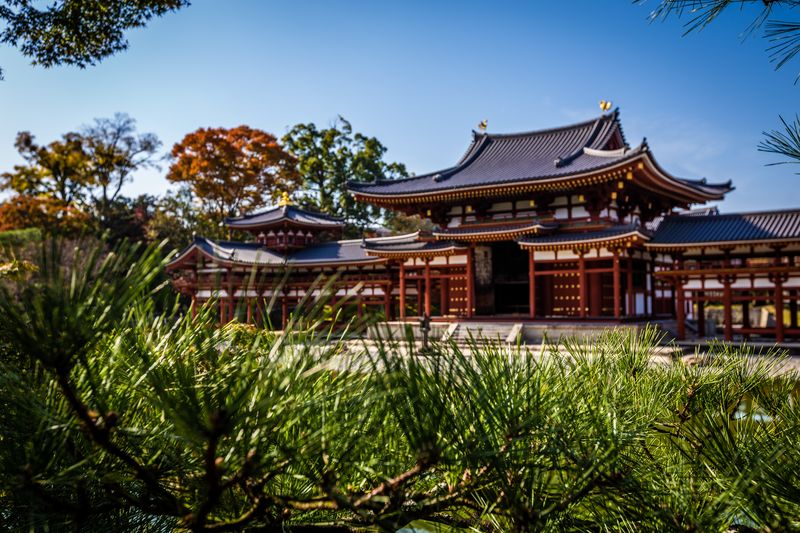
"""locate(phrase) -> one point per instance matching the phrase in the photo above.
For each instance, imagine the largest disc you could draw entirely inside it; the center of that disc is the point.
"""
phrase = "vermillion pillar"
(701, 314)
(402, 290)
(284, 312)
(532, 281)
(680, 309)
(427, 287)
(779, 328)
(617, 297)
(387, 300)
(582, 283)
(629, 290)
(727, 308)
(470, 283)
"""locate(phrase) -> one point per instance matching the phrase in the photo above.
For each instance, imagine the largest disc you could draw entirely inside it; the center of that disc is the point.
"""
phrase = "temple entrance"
(501, 279)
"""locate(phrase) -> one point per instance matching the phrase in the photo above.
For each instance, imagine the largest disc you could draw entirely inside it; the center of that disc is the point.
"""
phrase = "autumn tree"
(59, 170)
(75, 32)
(328, 158)
(233, 171)
(50, 214)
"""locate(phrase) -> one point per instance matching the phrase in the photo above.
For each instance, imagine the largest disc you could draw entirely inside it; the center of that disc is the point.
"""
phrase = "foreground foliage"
(115, 418)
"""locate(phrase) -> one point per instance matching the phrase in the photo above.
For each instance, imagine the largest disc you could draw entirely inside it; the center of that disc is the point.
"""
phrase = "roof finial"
(605, 105)
(285, 200)
(483, 124)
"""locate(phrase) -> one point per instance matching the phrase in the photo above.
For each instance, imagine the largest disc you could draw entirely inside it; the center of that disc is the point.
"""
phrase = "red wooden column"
(470, 283)
(387, 300)
(285, 311)
(420, 302)
(727, 307)
(582, 282)
(701, 314)
(231, 301)
(779, 329)
(532, 281)
(631, 300)
(427, 287)
(617, 296)
(680, 308)
(402, 289)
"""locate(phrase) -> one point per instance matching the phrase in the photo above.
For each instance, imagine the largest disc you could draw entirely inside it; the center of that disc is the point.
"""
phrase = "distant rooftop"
(285, 214)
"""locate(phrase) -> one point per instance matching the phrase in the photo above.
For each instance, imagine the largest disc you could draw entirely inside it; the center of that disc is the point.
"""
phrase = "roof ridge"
(686, 216)
(614, 116)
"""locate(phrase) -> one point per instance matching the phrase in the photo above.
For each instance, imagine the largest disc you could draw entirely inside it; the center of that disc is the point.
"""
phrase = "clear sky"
(419, 75)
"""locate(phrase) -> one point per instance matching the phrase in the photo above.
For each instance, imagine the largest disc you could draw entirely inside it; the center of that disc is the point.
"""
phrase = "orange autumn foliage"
(47, 213)
(233, 171)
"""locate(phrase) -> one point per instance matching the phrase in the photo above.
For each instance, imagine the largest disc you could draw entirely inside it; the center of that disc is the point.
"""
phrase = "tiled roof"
(287, 213)
(766, 226)
(509, 229)
(415, 247)
(328, 253)
(538, 155)
(586, 237)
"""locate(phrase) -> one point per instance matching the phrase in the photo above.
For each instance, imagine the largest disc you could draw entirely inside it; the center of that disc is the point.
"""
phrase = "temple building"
(568, 224)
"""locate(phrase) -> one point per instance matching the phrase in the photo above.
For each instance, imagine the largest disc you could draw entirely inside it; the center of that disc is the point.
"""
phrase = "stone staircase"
(461, 332)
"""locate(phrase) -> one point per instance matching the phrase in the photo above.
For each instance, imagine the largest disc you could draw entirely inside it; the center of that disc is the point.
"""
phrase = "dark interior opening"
(510, 276)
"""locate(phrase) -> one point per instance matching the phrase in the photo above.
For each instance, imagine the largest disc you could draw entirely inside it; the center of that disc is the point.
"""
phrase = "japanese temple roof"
(234, 253)
(536, 156)
(619, 235)
(495, 230)
(413, 249)
(692, 231)
(276, 216)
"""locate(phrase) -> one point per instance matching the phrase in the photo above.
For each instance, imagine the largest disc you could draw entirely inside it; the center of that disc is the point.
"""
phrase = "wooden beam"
(718, 271)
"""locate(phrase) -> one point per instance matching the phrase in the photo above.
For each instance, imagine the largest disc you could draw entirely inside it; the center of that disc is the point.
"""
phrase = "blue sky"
(420, 75)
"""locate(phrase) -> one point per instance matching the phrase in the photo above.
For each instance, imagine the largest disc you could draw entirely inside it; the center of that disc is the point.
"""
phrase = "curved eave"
(483, 235)
(639, 158)
(625, 240)
(691, 191)
(677, 247)
(407, 254)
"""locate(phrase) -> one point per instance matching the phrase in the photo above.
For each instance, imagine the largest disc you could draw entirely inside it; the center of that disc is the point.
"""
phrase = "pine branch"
(785, 143)
(101, 435)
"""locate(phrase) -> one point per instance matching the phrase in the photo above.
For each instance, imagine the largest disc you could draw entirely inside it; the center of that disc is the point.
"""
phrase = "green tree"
(60, 170)
(328, 158)
(177, 217)
(783, 37)
(75, 32)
